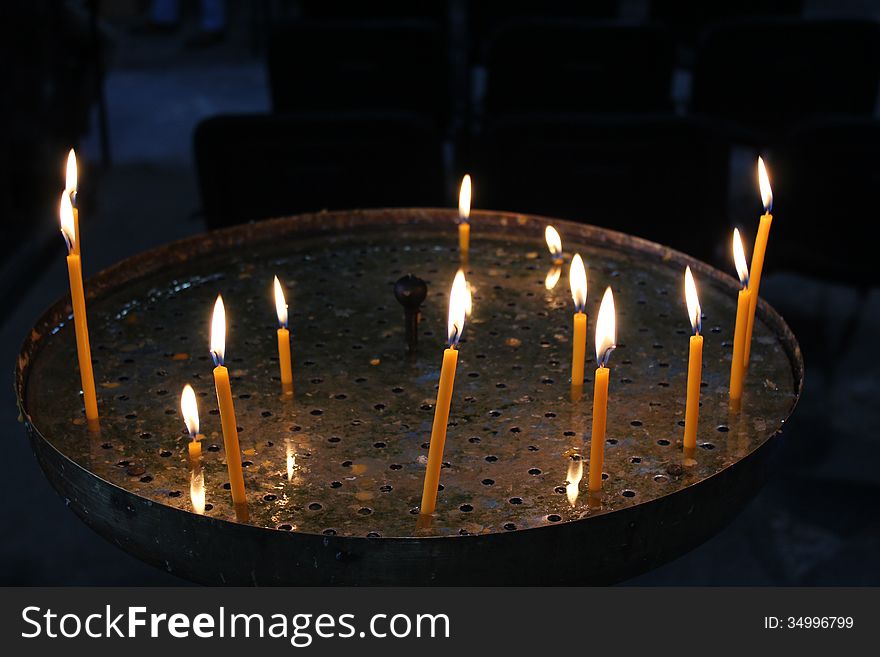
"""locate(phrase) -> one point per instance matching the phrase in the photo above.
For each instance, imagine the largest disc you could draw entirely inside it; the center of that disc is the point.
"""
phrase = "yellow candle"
(78, 302)
(695, 363)
(597, 439)
(464, 213)
(195, 449)
(284, 356)
(458, 302)
(189, 408)
(606, 338)
(227, 409)
(70, 187)
(577, 278)
(438, 430)
(578, 354)
(283, 338)
(464, 239)
(758, 255)
(743, 303)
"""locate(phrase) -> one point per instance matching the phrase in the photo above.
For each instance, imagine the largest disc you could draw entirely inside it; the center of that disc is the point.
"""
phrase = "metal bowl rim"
(110, 279)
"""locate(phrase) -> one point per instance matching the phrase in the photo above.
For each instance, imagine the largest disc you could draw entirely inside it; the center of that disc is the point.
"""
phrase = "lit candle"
(469, 297)
(78, 301)
(606, 339)
(743, 303)
(554, 244)
(70, 188)
(577, 278)
(227, 410)
(190, 411)
(695, 362)
(464, 214)
(283, 339)
(758, 254)
(458, 302)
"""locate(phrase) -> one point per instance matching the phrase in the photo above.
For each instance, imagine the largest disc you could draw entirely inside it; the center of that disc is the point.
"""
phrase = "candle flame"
(190, 410)
(554, 241)
(739, 258)
(575, 474)
(197, 490)
(606, 331)
(67, 226)
(218, 332)
(70, 185)
(553, 276)
(764, 183)
(459, 300)
(291, 460)
(577, 279)
(693, 301)
(469, 302)
(280, 304)
(464, 199)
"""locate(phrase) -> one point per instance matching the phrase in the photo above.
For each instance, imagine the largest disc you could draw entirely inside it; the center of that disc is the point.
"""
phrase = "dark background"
(642, 115)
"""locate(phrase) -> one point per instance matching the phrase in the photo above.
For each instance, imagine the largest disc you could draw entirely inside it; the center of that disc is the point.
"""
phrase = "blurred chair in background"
(768, 75)
(257, 166)
(373, 9)
(485, 16)
(686, 18)
(663, 178)
(377, 65)
(564, 66)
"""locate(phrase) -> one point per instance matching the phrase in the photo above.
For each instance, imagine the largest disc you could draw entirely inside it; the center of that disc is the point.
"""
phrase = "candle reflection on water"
(573, 478)
(197, 488)
(553, 276)
(291, 459)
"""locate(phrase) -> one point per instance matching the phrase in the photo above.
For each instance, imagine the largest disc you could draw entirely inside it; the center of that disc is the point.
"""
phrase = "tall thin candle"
(758, 255)
(606, 341)
(71, 188)
(695, 362)
(743, 303)
(577, 276)
(78, 302)
(227, 409)
(459, 299)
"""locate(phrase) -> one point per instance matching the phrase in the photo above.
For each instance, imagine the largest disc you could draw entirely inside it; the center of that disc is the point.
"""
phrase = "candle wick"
(216, 357)
(453, 339)
(606, 355)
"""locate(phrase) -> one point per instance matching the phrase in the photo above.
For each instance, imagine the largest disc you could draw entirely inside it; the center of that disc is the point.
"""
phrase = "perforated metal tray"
(334, 473)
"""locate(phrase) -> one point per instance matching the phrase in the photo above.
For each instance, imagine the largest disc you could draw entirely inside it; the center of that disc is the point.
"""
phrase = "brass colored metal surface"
(345, 455)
